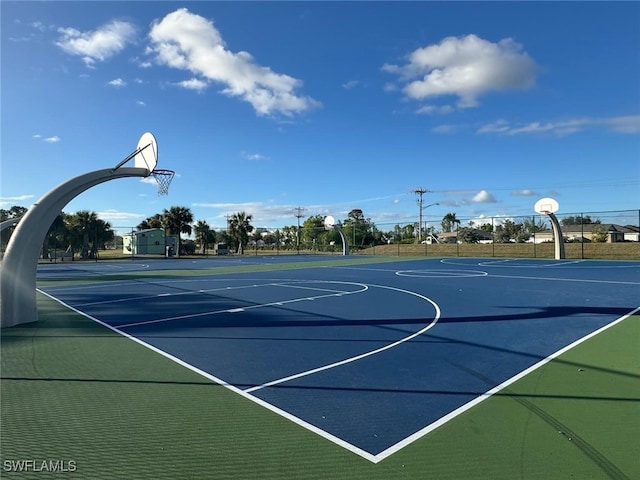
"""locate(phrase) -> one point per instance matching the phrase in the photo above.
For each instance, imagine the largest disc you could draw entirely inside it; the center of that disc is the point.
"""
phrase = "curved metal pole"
(343, 236)
(12, 222)
(559, 239)
(18, 274)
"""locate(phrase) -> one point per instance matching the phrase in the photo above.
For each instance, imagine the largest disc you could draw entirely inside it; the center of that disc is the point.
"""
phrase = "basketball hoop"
(163, 179)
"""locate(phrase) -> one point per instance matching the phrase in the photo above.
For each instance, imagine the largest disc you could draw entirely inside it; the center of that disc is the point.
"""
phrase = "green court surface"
(74, 391)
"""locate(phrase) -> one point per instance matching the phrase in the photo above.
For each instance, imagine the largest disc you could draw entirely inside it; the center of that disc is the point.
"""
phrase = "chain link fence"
(591, 235)
(604, 235)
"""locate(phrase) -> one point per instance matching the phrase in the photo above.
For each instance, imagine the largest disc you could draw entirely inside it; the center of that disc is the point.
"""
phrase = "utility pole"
(298, 214)
(420, 192)
(227, 233)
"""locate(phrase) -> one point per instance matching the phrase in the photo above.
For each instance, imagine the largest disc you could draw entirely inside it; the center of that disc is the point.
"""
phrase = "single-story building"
(614, 233)
(481, 236)
(151, 241)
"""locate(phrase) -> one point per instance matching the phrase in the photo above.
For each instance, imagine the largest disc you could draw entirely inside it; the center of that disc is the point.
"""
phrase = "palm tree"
(103, 235)
(239, 228)
(177, 220)
(151, 222)
(82, 224)
(449, 222)
(204, 235)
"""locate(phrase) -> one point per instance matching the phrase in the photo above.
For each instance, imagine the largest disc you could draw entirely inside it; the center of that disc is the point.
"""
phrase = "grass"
(608, 251)
(74, 390)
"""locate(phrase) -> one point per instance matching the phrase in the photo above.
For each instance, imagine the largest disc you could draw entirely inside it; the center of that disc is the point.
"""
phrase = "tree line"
(81, 232)
(84, 233)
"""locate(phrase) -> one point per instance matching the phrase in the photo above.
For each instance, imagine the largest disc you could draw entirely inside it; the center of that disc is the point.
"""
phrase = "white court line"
(298, 421)
(558, 264)
(585, 263)
(307, 288)
(190, 292)
(326, 435)
(250, 307)
(578, 280)
(458, 411)
(493, 262)
(362, 355)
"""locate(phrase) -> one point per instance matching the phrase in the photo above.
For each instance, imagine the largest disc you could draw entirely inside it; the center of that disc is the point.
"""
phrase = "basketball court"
(370, 355)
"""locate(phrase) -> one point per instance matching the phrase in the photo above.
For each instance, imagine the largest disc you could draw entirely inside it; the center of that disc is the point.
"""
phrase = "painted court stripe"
(429, 428)
(251, 307)
(578, 280)
(336, 440)
(362, 355)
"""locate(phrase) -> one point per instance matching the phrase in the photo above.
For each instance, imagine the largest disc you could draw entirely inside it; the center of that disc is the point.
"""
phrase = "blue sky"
(268, 106)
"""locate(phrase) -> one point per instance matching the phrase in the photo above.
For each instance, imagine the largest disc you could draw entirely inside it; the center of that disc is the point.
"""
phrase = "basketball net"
(163, 180)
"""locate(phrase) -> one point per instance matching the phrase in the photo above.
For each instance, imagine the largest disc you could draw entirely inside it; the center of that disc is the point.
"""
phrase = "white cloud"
(435, 109)
(262, 213)
(115, 215)
(524, 193)
(254, 156)
(11, 201)
(41, 27)
(499, 126)
(350, 84)
(141, 103)
(97, 45)
(467, 67)
(445, 129)
(269, 213)
(626, 124)
(194, 84)
(54, 139)
(118, 82)
(483, 197)
(480, 220)
(186, 41)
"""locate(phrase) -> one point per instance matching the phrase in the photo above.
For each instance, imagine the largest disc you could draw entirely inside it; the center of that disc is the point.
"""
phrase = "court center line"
(362, 355)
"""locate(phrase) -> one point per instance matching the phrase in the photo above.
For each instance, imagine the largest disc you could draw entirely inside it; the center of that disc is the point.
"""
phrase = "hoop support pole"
(129, 157)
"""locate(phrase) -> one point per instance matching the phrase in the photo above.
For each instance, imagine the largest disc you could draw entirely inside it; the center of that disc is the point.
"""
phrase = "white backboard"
(546, 206)
(148, 156)
(329, 222)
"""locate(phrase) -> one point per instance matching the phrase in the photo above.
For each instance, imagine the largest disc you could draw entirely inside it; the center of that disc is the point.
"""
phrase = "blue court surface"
(371, 356)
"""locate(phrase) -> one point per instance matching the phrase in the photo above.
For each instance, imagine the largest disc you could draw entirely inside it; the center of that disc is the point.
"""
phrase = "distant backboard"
(148, 154)
(329, 222)
(546, 206)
